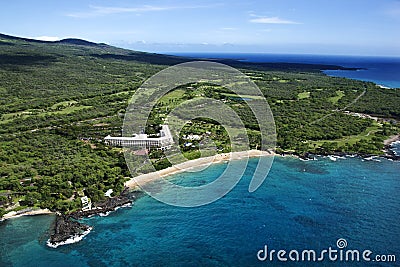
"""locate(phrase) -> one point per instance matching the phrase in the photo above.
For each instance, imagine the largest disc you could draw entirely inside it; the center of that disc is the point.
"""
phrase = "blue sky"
(355, 27)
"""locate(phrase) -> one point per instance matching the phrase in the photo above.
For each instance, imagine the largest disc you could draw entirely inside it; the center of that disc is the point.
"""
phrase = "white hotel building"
(163, 142)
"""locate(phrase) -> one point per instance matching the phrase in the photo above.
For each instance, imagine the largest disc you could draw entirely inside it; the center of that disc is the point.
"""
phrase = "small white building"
(192, 137)
(86, 203)
(108, 193)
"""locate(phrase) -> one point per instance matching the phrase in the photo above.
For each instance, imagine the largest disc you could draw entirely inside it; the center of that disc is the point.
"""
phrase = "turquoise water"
(301, 205)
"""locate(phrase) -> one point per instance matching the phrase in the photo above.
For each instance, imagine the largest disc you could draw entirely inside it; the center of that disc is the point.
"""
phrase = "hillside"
(58, 100)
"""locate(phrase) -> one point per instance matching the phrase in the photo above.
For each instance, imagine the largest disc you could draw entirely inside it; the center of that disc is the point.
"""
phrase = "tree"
(32, 198)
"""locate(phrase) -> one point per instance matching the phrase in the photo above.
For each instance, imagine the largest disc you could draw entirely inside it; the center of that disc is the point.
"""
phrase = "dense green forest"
(58, 100)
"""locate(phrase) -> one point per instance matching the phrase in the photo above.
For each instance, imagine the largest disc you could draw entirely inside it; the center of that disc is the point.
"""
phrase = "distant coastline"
(383, 71)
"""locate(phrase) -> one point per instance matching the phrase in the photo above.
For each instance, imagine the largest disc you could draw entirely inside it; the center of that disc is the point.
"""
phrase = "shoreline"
(391, 140)
(71, 231)
(384, 86)
(73, 239)
(389, 152)
(32, 212)
(192, 164)
(219, 158)
(196, 163)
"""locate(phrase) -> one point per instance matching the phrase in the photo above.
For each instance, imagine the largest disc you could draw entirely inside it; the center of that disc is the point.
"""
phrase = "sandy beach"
(392, 139)
(383, 87)
(15, 214)
(182, 167)
(149, 177)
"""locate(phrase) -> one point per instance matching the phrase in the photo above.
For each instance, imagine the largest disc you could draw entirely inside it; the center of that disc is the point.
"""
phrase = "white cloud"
(272, 20)
(47, 38)
(265, 30)
(228, 29)
(116, 10)
(96, 11)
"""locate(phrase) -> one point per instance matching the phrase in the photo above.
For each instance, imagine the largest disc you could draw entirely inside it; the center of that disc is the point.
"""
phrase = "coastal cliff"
(67, 228)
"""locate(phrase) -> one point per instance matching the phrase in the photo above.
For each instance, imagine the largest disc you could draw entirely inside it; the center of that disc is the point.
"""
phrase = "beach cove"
(350, 198)
(191, 164)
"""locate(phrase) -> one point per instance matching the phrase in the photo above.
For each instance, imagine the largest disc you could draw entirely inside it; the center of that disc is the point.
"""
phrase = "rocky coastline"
(67, 229)
(389, 154)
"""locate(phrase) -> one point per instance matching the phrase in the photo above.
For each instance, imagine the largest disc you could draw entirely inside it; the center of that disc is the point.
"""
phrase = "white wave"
(373, 158)
(71, 240)
(308, 159)
(333, 158)
(108, 212)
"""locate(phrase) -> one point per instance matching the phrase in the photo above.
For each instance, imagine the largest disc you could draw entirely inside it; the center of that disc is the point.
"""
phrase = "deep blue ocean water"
(380, 70)
(301, 205)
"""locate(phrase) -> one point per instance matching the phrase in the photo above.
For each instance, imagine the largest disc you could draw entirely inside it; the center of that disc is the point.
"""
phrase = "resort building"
(86, 203)
(164, 141)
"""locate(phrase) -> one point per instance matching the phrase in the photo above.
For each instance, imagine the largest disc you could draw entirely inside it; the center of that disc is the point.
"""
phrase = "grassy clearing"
(256, 78)
(122, 93)
(235, 84)
(66, 107)
(280, 80)
(5, 121)
(303, 95)
(11, 116)
(244, 96)
(335, 99)
(69, 110)
(352, 139)
(63, 104)
(176, 94)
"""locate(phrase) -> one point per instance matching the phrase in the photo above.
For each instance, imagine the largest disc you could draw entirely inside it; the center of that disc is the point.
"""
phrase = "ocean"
(384, 71)
(396, 147)
(302, 205)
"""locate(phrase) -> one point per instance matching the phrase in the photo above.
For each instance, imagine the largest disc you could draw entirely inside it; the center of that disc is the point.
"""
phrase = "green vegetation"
(335, 99)
(234, 96)
(303, 95)
(58, 101)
